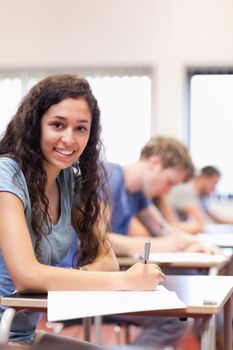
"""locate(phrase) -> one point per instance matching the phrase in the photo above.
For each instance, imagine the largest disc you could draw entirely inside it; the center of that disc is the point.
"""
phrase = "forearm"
(48, 278)
(137, 228)
(43, 278)
(128, 246)
(218, 219)
(189, 226)
(124, 245)
(153, 220)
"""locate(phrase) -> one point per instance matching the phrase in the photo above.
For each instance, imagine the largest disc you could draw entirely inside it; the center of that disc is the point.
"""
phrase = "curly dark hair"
(21, 141)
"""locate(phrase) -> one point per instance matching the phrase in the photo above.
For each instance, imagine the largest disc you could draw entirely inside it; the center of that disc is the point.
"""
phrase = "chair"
(5, 325)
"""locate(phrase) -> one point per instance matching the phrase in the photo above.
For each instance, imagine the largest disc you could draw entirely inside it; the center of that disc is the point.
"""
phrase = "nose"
(68, 137)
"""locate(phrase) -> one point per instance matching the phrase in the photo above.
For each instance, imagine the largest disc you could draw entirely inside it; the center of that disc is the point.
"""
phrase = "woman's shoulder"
(8, 165)
(12, 179)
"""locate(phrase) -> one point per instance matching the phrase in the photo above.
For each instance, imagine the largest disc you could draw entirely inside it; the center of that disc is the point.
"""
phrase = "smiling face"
(65, 130)
(157, 180)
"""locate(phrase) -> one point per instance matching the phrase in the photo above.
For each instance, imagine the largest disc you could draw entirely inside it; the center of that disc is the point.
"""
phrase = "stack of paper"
(70, 305)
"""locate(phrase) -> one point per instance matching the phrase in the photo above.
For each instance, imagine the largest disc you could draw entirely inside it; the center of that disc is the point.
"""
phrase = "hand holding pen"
(145, 276)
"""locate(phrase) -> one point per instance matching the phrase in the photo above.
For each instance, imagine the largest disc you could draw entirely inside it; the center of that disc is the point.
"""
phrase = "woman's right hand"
(143, 277)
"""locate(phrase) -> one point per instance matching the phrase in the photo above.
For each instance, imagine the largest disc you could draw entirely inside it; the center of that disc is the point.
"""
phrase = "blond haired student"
(51, 177)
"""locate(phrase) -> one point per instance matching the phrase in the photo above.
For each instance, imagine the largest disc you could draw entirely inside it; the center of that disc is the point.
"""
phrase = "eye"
(57, 125)
(81, 129)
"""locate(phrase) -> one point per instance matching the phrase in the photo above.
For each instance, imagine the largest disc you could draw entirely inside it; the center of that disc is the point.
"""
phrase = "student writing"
(51, 175)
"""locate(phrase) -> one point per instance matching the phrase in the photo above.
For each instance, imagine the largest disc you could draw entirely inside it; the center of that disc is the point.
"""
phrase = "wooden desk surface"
(192, 290)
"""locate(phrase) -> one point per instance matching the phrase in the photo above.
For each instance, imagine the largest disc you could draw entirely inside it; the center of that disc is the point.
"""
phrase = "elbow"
(23, 289)
(23, 286)
(28, 281)
(195, 229)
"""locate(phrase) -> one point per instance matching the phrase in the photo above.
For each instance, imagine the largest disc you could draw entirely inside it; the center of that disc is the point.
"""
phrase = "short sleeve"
(12, 179)
(142, 202)
(183, 196)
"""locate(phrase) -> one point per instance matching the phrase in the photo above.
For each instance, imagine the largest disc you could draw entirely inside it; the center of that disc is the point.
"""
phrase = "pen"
(209, 302)
(147, 251)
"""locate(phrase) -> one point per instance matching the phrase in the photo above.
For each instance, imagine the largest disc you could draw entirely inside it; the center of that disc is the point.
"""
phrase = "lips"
(64, 152)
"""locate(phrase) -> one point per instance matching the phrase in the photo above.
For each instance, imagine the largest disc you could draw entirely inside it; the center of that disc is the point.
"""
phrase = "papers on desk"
(70, 305)
(219, 239)
(186, 257)
(217, 228)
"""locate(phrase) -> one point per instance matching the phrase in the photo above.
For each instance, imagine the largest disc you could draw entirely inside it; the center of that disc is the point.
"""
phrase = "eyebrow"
(64, 118)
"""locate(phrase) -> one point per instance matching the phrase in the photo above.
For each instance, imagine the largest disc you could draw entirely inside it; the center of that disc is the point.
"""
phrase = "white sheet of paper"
(68, 305)
(217, 228)
(219, 239)
(186, 257)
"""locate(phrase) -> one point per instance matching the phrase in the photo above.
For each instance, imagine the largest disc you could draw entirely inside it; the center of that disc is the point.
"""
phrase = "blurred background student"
(191, 201)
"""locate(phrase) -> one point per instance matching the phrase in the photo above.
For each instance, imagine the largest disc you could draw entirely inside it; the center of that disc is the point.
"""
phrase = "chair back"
(5, 325)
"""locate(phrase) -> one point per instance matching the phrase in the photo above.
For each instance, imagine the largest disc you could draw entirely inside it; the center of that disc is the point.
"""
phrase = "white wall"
(167, 35)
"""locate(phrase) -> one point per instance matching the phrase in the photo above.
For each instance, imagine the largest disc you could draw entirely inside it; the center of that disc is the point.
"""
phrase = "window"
(124, 100)
(210, 124)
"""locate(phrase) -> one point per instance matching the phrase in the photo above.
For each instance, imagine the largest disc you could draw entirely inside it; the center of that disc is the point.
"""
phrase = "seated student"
(164, 162)
(190, 201)
(51, 176)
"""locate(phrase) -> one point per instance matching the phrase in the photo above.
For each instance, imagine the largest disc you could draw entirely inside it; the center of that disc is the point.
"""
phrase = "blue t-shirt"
(53, 248)
(124, 204)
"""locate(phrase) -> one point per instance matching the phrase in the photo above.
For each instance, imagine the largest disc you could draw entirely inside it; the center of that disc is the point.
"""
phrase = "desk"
(221, 239)
(190, 289)
(185, 262)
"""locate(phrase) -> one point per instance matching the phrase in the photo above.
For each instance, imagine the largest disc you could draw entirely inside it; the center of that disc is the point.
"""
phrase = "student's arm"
(128, 245)
(150, 214)
(197, 220)
(136, 228)
(166, 210)
(217, 218)
(170, 216)
(30, 276)
(153, 220)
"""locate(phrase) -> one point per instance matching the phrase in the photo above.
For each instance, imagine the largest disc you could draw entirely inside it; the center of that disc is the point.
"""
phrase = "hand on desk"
(186, 242)
(143, 277)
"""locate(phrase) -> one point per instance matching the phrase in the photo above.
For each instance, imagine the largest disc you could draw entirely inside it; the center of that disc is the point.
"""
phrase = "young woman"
(51, 178)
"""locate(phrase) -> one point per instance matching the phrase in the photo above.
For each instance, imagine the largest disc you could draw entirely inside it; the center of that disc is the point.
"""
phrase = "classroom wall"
(166, 35)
